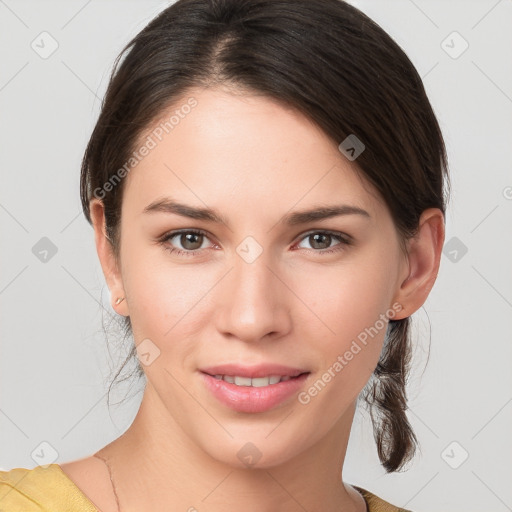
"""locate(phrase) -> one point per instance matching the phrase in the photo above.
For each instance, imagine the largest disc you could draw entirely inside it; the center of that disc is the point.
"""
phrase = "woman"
(266, 187)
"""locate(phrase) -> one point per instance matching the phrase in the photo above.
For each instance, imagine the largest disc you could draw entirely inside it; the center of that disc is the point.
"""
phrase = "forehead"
(242, 153)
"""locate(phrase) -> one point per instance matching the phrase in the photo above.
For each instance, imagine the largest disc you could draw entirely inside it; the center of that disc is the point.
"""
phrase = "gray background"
(55, 364)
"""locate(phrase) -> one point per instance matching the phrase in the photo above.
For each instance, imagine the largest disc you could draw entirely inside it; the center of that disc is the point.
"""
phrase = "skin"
(254, 161)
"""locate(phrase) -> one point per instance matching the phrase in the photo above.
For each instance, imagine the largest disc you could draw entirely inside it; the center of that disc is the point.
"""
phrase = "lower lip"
(251, 399)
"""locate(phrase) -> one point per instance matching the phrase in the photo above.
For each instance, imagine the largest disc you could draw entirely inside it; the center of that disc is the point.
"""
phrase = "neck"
(156, 468)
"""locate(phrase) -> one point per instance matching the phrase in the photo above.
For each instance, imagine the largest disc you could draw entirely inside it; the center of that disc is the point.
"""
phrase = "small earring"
(119, 300)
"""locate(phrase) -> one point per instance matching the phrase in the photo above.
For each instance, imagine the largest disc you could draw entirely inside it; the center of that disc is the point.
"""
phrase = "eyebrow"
(170, 206)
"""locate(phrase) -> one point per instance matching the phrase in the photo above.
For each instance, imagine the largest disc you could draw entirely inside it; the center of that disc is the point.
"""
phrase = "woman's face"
(264, 287)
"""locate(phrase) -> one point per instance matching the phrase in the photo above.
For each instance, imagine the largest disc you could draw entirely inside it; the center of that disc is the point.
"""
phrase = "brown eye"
(191, 241)
(185, 243)
(321, 242)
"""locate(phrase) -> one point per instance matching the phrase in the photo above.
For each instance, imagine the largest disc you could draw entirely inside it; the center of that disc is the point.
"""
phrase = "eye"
(321, 240)
(192, 241)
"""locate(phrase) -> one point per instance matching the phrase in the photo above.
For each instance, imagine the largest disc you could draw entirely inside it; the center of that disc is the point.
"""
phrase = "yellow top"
(49, 489)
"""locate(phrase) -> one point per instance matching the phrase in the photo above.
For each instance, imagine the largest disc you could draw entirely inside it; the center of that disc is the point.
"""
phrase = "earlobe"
(424, 256)
(108, 261)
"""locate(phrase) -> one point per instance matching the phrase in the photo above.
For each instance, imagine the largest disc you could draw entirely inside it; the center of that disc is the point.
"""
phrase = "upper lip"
(261, 370)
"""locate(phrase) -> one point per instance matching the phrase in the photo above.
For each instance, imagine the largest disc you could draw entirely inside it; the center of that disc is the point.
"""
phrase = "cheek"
(349, 298)
(167, 300)
(351, 307)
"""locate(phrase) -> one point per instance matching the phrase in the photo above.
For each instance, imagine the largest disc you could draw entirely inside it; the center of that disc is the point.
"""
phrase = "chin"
(258, 453)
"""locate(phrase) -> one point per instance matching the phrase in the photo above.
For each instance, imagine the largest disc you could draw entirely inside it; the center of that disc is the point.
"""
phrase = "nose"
(254, 301)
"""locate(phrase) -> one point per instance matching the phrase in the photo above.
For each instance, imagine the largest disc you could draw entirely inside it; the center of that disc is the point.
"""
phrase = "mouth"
(253, 389)
(255, 382)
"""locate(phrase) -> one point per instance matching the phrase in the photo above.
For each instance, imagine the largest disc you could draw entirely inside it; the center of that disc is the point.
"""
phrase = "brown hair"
(324, 58)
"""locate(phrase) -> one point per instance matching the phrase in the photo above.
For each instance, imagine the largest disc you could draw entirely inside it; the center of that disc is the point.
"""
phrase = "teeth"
(257, 382)
(243, 381)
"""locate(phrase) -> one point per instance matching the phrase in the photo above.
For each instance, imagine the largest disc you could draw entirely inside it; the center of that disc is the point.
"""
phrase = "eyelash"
(341, 237)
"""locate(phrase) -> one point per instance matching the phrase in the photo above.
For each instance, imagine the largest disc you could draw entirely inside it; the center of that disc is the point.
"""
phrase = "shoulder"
(40, 489)
(376, 504)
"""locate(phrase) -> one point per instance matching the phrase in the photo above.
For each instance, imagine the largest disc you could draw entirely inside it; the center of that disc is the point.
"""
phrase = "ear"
(422, 262)
(106, 255)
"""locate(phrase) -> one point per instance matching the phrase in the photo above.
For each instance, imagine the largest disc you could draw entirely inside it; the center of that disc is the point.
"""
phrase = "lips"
(253, 389)
(255, 382)
(262, 370)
